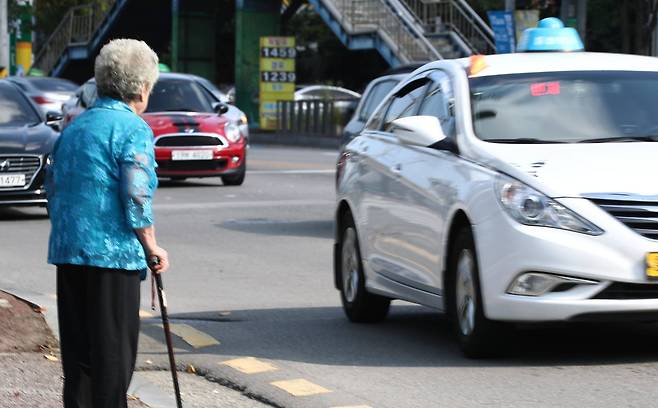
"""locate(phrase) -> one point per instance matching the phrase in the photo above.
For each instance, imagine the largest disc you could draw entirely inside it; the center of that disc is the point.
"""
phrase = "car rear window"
(53, 85)
(15, 110)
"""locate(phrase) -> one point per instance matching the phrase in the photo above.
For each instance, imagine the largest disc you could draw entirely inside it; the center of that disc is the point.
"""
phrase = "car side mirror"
(220, 107)
(423, 131)
(53, 119)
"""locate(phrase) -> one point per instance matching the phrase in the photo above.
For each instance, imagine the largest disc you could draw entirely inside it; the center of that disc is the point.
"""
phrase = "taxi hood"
(576, 170)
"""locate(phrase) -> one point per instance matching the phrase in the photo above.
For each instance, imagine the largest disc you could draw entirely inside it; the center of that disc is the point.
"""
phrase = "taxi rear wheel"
(478, 336)
(359, 305)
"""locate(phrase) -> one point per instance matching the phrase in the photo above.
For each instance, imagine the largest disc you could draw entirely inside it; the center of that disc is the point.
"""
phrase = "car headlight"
(49, 160)
(243, 119)
(530, 207)
(232, 132)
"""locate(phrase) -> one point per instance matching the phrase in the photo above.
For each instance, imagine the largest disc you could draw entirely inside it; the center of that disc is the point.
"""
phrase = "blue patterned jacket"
(100, 187)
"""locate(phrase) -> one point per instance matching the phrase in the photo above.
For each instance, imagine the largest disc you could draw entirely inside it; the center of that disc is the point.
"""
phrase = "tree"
(638, 20)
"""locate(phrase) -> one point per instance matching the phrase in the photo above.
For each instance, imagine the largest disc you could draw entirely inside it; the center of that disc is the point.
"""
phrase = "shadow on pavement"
(412, 336)
(264, 226)
(22, 214)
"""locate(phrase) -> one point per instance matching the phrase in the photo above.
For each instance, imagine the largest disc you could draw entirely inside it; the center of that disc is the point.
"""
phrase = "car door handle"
(397, 169)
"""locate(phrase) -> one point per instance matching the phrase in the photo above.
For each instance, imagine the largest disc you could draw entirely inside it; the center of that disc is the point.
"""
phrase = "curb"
(47, 305)
(147, 392)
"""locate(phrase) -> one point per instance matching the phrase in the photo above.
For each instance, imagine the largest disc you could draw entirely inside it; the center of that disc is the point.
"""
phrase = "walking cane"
(165, 324)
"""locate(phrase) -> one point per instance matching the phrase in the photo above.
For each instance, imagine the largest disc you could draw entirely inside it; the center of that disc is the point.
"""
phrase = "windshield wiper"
(178, 110)
(618, 139)
(525, 140)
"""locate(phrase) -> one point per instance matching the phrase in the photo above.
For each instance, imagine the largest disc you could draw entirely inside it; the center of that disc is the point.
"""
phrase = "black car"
(26, 141)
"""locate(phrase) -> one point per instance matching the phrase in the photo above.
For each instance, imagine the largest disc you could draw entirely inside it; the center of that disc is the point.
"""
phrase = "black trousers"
(98, 311)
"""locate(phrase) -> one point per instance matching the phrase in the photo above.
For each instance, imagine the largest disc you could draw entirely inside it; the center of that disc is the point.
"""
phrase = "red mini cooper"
(196, 135)
(192, 138)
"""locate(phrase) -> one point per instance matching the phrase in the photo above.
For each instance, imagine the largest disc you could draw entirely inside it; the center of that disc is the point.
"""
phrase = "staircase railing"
(76, 28)
(385, 16)
(457, 16)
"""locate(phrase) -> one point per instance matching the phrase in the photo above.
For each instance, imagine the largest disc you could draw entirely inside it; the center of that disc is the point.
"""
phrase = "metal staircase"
(403, 31)
(406, 31)
(77, 36)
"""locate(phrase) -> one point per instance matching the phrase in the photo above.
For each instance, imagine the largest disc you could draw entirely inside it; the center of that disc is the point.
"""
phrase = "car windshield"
(172, 95)
(15, 110)
(566, 107)
(53, 85)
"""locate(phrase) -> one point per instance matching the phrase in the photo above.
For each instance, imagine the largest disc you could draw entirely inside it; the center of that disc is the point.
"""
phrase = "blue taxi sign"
(550, 35)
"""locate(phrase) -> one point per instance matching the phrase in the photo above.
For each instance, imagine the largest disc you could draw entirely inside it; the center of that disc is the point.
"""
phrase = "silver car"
(505, 188)
(47, 92)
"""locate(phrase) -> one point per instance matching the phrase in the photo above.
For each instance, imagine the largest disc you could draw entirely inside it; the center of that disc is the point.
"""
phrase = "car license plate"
(652, 265)
(191, 155)
(12, 180)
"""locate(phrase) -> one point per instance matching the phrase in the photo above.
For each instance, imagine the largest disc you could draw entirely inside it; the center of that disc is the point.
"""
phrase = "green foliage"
(15, 9)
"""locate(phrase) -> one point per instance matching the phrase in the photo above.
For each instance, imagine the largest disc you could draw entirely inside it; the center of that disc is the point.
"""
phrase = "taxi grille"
(620, 290)
(188, 140)
(640, 216)
(28, 165)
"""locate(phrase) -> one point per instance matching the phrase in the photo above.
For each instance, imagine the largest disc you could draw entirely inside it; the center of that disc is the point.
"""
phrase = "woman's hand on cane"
(163, 260)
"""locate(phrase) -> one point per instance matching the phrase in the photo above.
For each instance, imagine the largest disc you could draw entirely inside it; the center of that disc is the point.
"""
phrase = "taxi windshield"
(566, 107)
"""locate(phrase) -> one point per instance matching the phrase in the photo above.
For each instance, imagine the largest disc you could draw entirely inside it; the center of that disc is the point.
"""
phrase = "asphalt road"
(252, 299)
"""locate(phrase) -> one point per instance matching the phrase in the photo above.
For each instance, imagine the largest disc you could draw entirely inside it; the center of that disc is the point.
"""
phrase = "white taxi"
(506, 188)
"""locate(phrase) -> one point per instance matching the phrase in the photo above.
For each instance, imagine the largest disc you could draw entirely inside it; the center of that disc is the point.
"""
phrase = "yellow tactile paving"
(354, 406)
(192, 336)
(143, 314)
(249, 365)
(300, 387)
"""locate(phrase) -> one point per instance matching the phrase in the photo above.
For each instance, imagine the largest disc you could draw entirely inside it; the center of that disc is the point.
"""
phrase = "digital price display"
(277, 77)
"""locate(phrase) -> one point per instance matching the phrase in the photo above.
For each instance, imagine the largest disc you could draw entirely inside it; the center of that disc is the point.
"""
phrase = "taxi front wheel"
(359, 305)
(478, 336)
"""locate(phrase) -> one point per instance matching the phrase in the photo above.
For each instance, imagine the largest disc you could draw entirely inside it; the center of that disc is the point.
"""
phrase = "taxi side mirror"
(423, 131)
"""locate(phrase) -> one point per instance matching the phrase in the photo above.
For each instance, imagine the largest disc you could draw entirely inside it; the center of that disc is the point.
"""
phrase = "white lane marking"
(326, 171)
(241, 204)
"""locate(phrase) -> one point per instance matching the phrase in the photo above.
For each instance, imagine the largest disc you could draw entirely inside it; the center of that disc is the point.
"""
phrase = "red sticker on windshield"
(545, 88)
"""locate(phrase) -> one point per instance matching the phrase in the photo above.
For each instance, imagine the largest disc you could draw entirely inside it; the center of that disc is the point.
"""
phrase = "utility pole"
(174, 35)
(4, 39)
(510, 5)
(581, 13)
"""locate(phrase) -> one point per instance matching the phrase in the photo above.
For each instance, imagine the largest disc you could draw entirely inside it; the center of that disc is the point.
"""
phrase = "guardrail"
(314, 117)
(77, 28)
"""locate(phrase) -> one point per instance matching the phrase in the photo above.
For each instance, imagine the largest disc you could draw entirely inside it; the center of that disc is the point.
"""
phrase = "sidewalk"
(31, 375)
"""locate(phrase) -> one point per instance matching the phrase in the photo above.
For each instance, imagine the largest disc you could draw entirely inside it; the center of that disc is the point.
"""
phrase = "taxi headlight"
(232, 132)
(530, 207)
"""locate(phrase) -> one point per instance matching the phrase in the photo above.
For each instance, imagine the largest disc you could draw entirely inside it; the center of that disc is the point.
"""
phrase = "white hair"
(124, 68)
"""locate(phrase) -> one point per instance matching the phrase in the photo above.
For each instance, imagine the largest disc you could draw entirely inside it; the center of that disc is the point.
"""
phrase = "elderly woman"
(100, 186)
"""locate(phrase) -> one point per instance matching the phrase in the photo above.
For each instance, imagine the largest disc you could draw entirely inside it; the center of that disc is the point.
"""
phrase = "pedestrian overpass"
(402, 31)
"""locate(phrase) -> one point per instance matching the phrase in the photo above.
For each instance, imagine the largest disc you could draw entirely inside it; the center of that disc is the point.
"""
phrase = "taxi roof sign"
(550, 35)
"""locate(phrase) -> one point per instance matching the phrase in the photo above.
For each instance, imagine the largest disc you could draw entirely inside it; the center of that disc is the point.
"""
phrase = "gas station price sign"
(277, 76)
